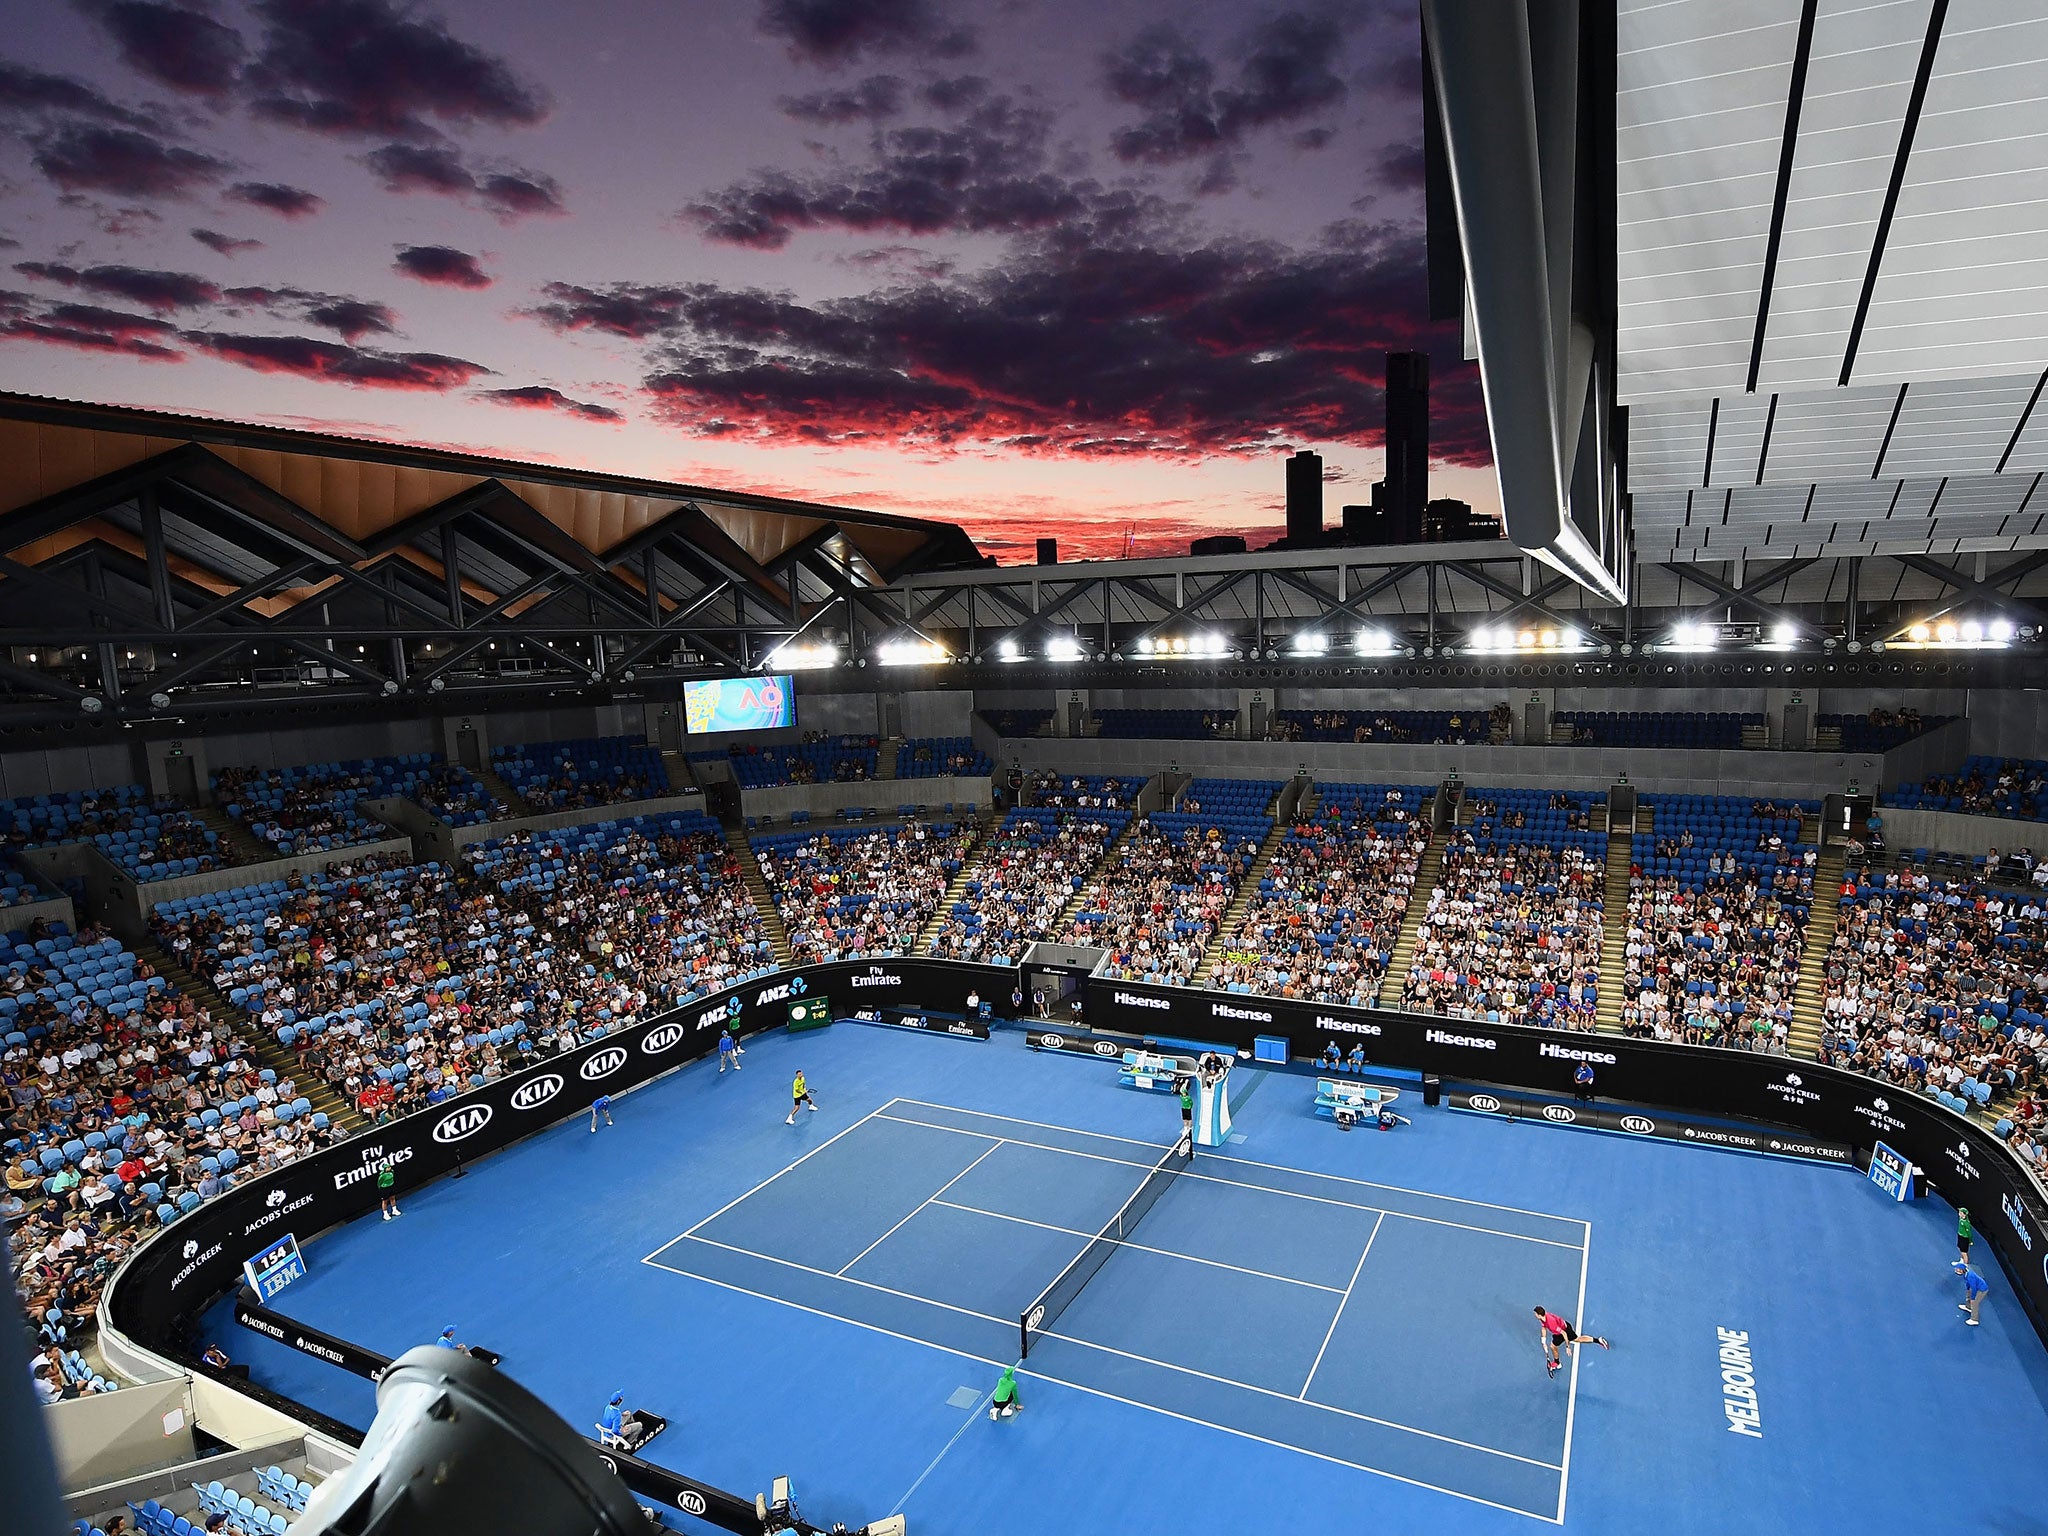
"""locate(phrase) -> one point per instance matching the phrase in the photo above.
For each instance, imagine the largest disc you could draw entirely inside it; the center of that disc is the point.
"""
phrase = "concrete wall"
(114, 1435)
(882, 795)
(583, 816)
(147, 896)
(1953, 832)
(2012, 722)
(55, 909)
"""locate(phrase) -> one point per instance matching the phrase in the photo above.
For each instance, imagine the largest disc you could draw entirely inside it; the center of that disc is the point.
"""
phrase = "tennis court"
(1360, 1323)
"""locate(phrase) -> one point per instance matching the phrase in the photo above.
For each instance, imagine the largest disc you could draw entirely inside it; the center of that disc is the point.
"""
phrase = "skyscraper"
(1407, 443)
(1305, 498)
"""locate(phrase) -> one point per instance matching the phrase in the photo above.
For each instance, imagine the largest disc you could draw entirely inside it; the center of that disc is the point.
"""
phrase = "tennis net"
(1052, 1301)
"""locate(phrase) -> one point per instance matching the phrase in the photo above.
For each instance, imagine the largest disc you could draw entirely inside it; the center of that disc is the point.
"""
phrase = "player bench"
(1350, 1103)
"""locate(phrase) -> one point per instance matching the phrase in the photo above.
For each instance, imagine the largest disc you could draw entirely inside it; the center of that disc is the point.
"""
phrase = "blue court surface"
(1309, 1325)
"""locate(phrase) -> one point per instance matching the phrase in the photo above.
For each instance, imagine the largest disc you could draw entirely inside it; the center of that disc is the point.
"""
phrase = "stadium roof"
(72, 476)
(1832, 276)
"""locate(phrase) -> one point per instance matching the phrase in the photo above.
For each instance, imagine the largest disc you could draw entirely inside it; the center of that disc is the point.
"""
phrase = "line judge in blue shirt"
(615, 1420)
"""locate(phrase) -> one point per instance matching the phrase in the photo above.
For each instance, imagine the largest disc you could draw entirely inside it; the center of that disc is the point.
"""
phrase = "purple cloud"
(989, 173)
(542, 397)
(350, 318)
(330, 362)
(84, 328)
(872, 100)
(160, 291)
(226, 245)
(1283, 74)
(173, 45)
(438, 169)
(93, 157)
(367, 68)
(442, 265)
(25, 91)
(286, 202)
(835, 32)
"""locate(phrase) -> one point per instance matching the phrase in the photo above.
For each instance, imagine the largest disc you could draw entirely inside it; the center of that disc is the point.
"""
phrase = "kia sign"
(463, 1123)
(603, 1063)
(663, 1037)
(537, 1090)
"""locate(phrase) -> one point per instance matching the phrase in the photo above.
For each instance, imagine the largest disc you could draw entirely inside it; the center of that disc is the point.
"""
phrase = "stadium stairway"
(488, 777)
(1427, 869)
(1247, 892)
(757, 886)
(1822, 916)
(985, 822)
(264, 1047)
(1110, 855)
(247, 847)
(1614, 925)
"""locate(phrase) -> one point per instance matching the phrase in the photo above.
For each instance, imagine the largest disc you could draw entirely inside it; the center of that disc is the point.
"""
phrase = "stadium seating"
(1329, 906)
(583, 771)
(1881, 729)
(1023, 878)
(1166, 724)
(1719, 892)
(1646, 728)
(2016, 788)
(1514, 928)
(930, 757)
(1443, 726)
(1155, 906)
(150, 838)
(1936, 986)
(843, 895)
(827, 760)
(1017, 722)
(315, 806)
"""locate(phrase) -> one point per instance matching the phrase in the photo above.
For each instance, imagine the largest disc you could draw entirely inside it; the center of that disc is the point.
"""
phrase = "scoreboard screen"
(274, 1268)
(1891, 1172)
(810, 1013)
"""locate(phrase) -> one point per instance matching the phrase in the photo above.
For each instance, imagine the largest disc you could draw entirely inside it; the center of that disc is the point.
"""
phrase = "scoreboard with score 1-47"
(810, 1013)
(274, 1268)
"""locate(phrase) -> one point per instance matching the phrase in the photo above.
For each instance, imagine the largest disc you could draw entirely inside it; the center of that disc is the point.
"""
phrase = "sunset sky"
(1034, 266)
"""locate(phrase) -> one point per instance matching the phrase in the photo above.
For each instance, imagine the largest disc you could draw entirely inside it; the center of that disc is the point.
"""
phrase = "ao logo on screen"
(663, 1037)
(464, 1122)
(1638, 1125)
(531, 1095)
(690, 1502)
(1485, 1102)
(603, 1063)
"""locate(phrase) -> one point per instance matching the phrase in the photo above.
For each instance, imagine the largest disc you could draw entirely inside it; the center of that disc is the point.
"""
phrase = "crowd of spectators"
(931, 757)
(1719, 892)
(1441, 726)
(297, 810)
(1155, 905)
(1079, 792)
(817, 759)
(844, 895)
(149, 836)
(1331, 901)
(2012, 787)
(1879, 730)
(1026, 874)
(1513, 929)
(583, 771)
(402, 984)
(124, 1104)
(1939, 986)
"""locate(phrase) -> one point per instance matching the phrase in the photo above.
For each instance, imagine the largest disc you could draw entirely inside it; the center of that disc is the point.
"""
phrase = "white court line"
(1036, 1146)
(1348, 1205)
(1166, 1253)
(821, 1146)
(1259, 1189)
(1285, 1397)
(871, 1247)
(1401, 1189)
(973, 1418)
(1571, 1402)
(954, 1109)
(1075, 1386)
(1356, 1271)
(826, 1274)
